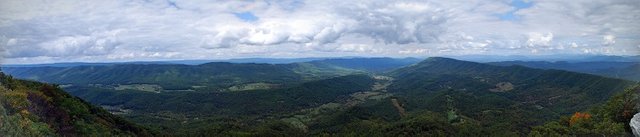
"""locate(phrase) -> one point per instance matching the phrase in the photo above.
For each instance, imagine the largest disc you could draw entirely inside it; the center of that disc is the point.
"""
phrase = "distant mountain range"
(623, 70)
(183, 62)
(213, 75)
(338, 97)
(551, 58)
(195, 62)
(474, 58)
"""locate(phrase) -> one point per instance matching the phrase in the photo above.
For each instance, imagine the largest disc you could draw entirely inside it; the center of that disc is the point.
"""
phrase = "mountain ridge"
(455, 95)
(481, 89)
(623, 70)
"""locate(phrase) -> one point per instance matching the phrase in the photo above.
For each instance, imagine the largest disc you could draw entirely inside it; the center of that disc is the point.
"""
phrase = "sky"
(45, 31)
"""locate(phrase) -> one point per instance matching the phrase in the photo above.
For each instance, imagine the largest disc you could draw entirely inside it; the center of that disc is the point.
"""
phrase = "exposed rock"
(297, 123)
(116, 110)
(140, 87)
(403, 113)
(252, 86)
(635, 125)
(381, 84)
(502, 87)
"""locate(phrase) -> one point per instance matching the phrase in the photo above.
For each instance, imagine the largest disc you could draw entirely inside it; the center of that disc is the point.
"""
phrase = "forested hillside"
(205, 77)
(609, 119)
(208, 110)
(511, 98)
(169, 76)
(30, 108)
(358, 97)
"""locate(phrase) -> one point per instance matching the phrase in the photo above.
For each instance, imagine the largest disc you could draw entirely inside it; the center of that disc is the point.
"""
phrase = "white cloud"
(414, 51)
(356, 48)
(12, 42)
(609, 40)
(133, 30)
(539, 39)
(98, 43)
(574, 45)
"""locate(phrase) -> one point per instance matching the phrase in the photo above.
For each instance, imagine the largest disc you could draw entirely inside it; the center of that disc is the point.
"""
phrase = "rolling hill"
(211, 76)
(512, 97)
(206, 77)
(183, 113)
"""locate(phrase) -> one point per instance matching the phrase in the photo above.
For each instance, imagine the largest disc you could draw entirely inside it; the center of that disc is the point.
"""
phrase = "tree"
(579, 117)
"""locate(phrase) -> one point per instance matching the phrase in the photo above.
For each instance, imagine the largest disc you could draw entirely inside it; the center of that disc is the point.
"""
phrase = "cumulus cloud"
(414, 51)
(539, 39)
(574, 45)
(609, 40)
(121, 29)
(401, 23)
(12, 42)
(98, 43)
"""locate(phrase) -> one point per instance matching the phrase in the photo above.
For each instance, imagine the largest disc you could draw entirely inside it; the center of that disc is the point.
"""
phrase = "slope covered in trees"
(208, 76)
(30, 108)
(609, 119)
(435, 97)
(605, 119)
(167, 111)
(512, 98)
(170, 76)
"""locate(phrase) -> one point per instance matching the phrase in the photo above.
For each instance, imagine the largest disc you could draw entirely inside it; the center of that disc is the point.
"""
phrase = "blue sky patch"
(246, 16)
(520, 4)
(517, 4)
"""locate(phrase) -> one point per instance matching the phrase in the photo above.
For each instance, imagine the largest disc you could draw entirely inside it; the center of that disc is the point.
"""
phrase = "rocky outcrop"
(635, 125)
(403, 113)
(502, 87)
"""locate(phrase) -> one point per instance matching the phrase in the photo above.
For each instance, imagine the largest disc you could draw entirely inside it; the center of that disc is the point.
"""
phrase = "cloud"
(133, 30)
(413, 51)
(574, 45)
(609, 40)
(85, 45)
(356, 48)
(539, 39)
(12, 42)
(401, 23)
(224, 39)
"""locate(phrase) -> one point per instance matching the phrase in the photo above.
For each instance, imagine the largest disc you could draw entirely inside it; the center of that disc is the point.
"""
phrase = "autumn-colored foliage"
(579, 117)
(29, 108)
